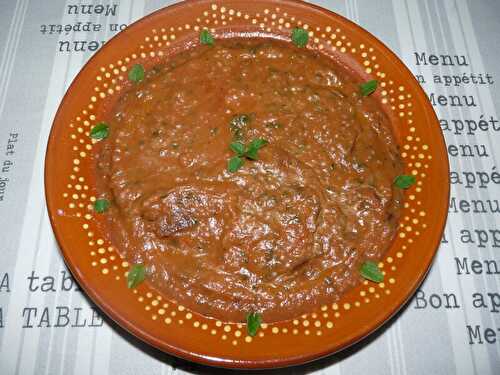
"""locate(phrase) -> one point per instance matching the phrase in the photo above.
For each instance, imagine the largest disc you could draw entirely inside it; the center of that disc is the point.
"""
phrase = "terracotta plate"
(96, 263)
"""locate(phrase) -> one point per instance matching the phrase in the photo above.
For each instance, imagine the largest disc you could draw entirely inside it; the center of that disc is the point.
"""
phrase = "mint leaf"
(300, 37)
(136, 73)
(238, 148)
(370, 271)
(100, 131)
(206, 38)
(368, 88)
(234, 164)
(243, 152)
(254, 147)
(404, 181)
(254, 321)
(136, 275)
(101, 205)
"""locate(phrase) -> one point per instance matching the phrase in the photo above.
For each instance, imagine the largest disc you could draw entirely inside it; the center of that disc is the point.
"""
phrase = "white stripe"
(356, 11)
(14, 27)
(53, 331)
(27, 357)
(12, 53)
(349, 9)
(83, 357)
(392, 362)
(397, 354)
(64, 345)
(399, 340)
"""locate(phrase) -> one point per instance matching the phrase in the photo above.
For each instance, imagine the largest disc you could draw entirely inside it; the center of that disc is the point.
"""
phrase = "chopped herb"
(369, 87)
(234, 163)
(238, 122)
(136, 275)
(314, 98)
(175, 145)
(206, 38)
(214, 131)
(254, 147)
(101, 205)
(300, 37)
(253, 50)
(273, 125)
(242, 151)
(370, 271)
(254, 321)
(404, 181)
(100, 131)
(136, 74)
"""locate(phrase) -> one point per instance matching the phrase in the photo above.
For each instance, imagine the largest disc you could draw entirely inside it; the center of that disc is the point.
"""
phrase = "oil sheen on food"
(283, 234)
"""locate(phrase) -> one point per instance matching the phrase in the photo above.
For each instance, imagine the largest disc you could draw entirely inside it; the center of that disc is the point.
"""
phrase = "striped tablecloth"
(47, 326)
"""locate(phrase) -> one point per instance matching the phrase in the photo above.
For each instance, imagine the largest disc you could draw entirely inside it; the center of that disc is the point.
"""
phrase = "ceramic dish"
(97, 265)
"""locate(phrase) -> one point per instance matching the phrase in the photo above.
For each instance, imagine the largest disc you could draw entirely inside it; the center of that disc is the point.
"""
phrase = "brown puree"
(283, 234)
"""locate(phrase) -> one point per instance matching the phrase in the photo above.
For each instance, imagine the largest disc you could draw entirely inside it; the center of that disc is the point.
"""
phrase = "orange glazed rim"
(100, 270)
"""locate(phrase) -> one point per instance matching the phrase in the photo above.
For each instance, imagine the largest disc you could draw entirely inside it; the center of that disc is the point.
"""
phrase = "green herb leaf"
(300, 37)
(238, 148)
(404, 181)
(100, 131)
(234, 164)
(136, 73)
(206, 38)
(101, 205)
(254, 147)
(369, 87)
(370, 271)
(136, 275)
(254, 320)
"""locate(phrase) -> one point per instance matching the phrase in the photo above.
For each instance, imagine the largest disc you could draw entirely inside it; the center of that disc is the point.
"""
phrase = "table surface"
(47, 326)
